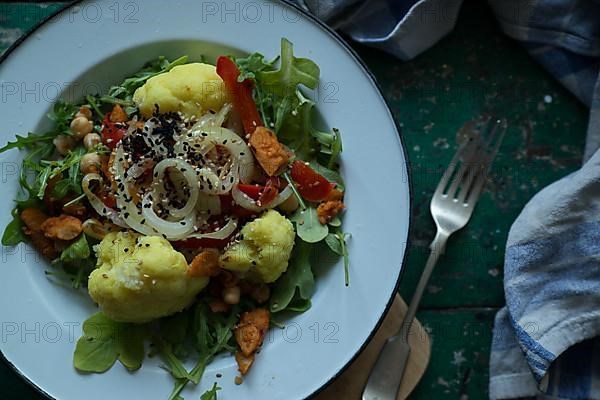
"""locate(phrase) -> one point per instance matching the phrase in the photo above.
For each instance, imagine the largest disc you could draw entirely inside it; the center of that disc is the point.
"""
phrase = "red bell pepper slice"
(262, 194)
(270, 191)
(108, 200)
(252, 191)
(112, 132)
(241, 93)
(311, 185)
(228, 206)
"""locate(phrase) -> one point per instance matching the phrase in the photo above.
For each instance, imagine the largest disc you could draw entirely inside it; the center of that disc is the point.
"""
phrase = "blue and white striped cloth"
(546, 340)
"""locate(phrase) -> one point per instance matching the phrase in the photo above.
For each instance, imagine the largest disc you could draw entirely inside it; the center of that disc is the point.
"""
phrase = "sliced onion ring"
(99, 206)
(134, 218)
(173, 230)
(187, 171)
(248, 203)
(223, 233)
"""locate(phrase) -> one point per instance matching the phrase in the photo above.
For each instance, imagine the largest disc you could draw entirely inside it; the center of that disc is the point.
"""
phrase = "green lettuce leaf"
(211, 394)
(104, 341)
(76, 251)
(308, 226)
(13, 233)
(293, 71)
(297, 280)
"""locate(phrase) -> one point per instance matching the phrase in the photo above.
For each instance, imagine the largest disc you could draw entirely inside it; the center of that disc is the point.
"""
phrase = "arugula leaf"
(252, 65)
(335, 221)
(331, 175)
(292, 72)
(331, 145)
(22, 142)
(297, 130)
(212, 334)
(174, 329)
(174, 365)
(334, 245)
(92, 101)
(287, 177)
(42, 181)
(61, 188)
(69, 164)
(130, 345)
(62, 114)
(308, 226)
(299, 304)
(298, 279)
(13, 233)
(95, 354)
(104, 341)
(76, 251)
(337, 243)
(211, 394)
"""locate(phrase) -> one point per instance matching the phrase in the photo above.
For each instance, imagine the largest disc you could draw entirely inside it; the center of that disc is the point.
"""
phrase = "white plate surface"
(96, 44)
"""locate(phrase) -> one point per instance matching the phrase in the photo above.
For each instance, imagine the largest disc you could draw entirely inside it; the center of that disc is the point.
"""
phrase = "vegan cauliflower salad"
(187, 201)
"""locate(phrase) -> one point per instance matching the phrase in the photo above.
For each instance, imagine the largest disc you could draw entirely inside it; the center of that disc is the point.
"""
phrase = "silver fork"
(451, 207)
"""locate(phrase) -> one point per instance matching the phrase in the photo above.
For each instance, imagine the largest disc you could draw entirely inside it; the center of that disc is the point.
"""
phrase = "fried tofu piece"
(33, 219)
(329, 209)
(248, 338)
(118, 114)
(44, 245)
(64, 227)
(335, 194)
(251, 331)
(75, 209)
(244, 362)
(206, 263)
(270, 154)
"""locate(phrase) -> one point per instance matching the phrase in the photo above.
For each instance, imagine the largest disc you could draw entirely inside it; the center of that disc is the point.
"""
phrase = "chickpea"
(289, 205)
(81, 126)
(63, 144)
(84, 111)
(231, 295)
(90, 140)
(90, 163)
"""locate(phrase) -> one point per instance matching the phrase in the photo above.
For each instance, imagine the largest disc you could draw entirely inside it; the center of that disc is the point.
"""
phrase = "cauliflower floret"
(265, 249)
(141, 278)
(192, 89)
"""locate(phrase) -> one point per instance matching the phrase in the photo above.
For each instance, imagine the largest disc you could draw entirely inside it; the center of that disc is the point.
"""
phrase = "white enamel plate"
(95, 44)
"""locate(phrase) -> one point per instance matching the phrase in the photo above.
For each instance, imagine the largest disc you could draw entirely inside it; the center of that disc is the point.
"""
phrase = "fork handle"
(437, 246)
(386, 375)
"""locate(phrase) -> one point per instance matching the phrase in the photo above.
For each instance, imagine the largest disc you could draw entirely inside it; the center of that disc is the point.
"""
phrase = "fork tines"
(467, 172)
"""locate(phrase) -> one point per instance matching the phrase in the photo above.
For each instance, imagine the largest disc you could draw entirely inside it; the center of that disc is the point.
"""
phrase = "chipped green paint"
(475, 70)
(458, 368)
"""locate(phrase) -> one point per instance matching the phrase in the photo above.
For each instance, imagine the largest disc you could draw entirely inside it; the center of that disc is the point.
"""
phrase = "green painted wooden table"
(474, 70)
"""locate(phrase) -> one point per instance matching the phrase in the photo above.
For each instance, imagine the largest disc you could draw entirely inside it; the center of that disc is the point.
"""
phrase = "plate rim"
(341, 41)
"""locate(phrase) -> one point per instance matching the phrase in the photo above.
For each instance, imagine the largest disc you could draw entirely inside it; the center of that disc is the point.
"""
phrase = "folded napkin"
(546, 340)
